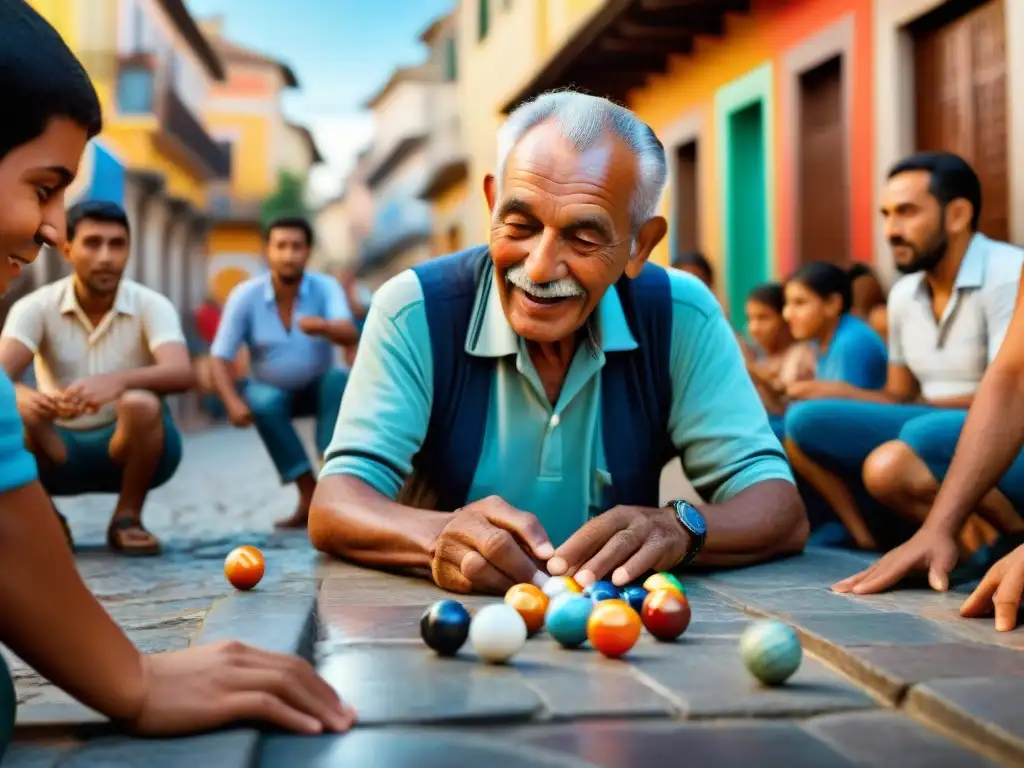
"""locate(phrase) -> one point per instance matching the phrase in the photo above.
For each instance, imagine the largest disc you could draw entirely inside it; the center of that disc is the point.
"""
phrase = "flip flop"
(116, 539)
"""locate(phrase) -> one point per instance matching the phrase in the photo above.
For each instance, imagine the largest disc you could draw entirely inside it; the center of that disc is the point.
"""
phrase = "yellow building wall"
(492, 70)
(253, 178)
(688, 86)
(235, 238)
(446, 203)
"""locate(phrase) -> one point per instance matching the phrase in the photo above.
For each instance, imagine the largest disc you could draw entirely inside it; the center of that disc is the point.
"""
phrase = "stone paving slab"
(862, 661)
(987, 710)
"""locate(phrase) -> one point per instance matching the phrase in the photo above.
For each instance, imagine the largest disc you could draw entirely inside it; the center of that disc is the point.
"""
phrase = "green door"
(747, 207)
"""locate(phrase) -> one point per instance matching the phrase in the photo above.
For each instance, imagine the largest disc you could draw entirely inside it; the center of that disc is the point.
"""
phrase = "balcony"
(447, 153)
(402, 222)
(144, 89)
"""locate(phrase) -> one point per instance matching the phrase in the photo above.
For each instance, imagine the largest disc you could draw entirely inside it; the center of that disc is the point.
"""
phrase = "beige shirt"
(68, 348)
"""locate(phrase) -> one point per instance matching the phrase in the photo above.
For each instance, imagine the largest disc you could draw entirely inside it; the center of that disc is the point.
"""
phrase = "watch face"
(693, 519)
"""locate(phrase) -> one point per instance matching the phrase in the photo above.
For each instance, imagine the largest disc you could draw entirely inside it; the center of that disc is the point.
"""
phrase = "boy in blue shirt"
(50, 110)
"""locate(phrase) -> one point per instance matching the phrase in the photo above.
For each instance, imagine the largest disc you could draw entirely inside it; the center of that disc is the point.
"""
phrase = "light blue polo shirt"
(542, 458)
(289, 359)
(17, 465)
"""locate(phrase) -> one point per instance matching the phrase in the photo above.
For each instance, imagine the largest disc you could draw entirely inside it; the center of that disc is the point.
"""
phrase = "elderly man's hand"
(488, 546)
(624, 541)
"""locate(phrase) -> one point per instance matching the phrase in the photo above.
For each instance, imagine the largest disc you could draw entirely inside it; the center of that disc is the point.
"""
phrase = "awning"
(101, 176)
(624, 42)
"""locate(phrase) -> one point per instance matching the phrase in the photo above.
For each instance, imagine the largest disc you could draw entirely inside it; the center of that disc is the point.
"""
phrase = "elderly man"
(535, 388)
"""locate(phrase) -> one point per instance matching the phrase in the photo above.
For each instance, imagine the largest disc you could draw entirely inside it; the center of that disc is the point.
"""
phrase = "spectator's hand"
(487, 547)
(813, 389)
(927, 550)
(90, 394)
(34, 407)
(999, 592)
(209, 686)
(624, 541)
(238, 413)
(313, 326)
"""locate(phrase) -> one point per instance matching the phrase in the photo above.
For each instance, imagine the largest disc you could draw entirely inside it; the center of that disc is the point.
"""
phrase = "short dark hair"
(40, 79)
(95, 210)
(290, 222)
(695, 259)
(826, 280)
(772, 295)
(859, 269)
(952, 178)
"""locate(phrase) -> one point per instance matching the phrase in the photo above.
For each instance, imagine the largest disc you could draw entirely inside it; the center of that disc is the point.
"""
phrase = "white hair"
(585, 120)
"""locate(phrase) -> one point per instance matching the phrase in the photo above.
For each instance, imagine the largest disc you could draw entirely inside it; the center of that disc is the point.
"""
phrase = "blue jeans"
(934, 437)
(839, 435)
(274, 408)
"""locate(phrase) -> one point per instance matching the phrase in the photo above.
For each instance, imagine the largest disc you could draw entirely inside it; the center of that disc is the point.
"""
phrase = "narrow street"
(225, 493)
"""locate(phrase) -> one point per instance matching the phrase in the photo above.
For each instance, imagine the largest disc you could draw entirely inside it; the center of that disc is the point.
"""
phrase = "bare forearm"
(989, 442)
(161, 379)
(954, 403)
(43, 596)
(350, 519)
(222, 373)
(341, 332)
(766, 520)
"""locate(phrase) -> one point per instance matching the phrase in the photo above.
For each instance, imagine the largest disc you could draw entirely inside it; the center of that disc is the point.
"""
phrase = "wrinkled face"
(33, 178)
(808, 314)
(765, 325)
(98, 254)
(560, 231)
(915, 222)
(287, 253)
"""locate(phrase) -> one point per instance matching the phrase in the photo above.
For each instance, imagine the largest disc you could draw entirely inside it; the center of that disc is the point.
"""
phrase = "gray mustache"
(566, 287)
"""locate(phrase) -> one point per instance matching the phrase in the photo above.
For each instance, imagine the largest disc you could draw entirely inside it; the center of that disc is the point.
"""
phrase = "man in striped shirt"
(107, 350)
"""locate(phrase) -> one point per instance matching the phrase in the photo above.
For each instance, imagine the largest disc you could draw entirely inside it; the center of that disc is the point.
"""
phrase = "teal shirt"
(544, 459)
(17, 465)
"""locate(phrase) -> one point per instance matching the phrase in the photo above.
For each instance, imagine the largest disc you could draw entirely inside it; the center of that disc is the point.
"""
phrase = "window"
(451, 60)
(483, 18)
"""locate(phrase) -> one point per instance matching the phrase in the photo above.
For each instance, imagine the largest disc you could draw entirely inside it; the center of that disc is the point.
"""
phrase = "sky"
(341, 51)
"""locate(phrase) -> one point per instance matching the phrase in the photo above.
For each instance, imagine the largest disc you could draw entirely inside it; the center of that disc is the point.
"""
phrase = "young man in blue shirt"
(50, 111)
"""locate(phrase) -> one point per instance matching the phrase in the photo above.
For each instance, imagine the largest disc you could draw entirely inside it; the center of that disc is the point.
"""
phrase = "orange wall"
(761, 37)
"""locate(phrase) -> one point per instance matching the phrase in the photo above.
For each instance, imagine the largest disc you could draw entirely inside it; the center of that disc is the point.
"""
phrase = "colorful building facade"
(780, 119)
(245, 115)
(152, 69)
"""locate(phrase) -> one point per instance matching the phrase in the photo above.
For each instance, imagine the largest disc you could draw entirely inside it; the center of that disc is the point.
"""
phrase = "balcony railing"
(142, 89)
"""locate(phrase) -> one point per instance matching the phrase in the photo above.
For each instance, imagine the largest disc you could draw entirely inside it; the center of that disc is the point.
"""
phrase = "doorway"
(823, 197)
(960, 70)
(686, 206)
(747, 205)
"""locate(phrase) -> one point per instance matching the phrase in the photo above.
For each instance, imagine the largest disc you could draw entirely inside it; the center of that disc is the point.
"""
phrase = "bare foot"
(297, 520)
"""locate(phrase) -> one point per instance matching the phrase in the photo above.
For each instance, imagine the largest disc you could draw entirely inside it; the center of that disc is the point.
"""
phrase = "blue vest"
(636, 385)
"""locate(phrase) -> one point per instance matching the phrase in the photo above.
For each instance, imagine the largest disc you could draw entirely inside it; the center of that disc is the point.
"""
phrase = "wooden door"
(686, 193)
(961, 100)
(823, 212)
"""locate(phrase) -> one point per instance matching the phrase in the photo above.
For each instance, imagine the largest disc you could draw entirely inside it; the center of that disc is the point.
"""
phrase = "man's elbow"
(796, 528)
(321, 525)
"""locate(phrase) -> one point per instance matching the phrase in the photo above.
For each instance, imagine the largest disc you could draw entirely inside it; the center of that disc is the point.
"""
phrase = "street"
(225, 493)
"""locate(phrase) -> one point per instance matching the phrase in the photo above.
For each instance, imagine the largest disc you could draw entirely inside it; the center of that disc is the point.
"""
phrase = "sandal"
(118, 540)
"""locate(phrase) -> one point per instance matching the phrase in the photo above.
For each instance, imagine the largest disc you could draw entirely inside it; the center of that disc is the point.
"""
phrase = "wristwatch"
(693, 522)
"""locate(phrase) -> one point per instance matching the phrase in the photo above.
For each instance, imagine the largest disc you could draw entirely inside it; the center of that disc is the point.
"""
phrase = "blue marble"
(566, 619)
(635, 596)
(602, 590)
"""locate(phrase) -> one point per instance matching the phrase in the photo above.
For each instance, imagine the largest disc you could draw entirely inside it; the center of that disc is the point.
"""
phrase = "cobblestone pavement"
(225, 493)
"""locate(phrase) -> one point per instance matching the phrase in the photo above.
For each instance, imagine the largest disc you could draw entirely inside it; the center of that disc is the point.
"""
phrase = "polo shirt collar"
(124, 300)
(490, 335)
(268, 287)
(972, 269)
